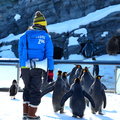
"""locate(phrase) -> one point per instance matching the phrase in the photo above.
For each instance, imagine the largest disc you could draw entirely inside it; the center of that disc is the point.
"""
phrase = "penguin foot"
(56, 111)
(81, 116)
(93, 112)
(62, 112)
(100, 113)
(75, 116)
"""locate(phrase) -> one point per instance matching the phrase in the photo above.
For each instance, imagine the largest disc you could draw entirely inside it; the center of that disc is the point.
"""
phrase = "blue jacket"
(36, 44)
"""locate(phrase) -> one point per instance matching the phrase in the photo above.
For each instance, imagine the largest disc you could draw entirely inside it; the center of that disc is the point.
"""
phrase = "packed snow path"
(12, 109)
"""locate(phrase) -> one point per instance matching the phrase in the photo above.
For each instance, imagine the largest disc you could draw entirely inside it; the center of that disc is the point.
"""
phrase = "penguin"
(77, 99)
(97, 93)
(59, 88)
(88, 49)
(86, 79)
(64, 77)
(95, 68)
(13, 89)
(76, 72)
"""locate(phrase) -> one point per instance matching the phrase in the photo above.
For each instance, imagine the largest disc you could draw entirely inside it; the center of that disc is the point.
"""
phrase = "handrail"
(9, 60)
(102, 62)
(15, 61)
(86, 62)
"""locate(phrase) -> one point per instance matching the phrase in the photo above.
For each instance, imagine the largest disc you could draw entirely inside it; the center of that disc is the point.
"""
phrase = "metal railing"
(101, 62)
(15, 62)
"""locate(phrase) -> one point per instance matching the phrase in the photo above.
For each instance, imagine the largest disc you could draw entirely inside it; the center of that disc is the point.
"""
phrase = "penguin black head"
(85, 69)
(14, 82)
(78, 66)
(77, 80)
(64, 74)
(59, 72)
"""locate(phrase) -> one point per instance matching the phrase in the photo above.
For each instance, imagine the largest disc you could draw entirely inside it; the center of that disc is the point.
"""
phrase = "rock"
(54, 11)
(99, 32)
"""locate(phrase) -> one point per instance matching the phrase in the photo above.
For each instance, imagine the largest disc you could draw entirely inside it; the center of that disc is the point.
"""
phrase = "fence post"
(18, 74)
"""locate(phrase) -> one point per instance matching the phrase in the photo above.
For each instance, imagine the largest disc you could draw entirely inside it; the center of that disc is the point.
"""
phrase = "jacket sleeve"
(49, 52)
(22, 50)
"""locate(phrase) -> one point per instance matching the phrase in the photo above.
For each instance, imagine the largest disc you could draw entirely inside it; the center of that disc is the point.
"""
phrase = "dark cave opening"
(58, 53)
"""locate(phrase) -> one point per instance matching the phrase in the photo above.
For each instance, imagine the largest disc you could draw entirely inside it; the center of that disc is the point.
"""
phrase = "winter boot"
(31, 114)
(25, 111)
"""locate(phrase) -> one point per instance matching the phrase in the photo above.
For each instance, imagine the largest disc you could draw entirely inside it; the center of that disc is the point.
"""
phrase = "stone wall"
(58, 11)
(54, 11)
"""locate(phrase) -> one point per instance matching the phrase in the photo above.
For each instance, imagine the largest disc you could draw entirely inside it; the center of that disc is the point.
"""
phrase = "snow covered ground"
(12, 109)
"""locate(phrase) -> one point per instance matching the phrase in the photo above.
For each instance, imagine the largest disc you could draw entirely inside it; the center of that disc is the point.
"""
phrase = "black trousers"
(32, 79)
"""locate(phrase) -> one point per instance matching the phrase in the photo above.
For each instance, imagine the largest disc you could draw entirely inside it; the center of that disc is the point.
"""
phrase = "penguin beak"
(99, 77)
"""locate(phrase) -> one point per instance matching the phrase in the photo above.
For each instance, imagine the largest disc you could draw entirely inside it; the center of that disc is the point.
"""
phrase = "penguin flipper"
(49, 89)
(51, 84)
(90, 91)
(68, 86)
(89, 98)
(81, 82)
(65, 97)
(104, 99)
(104, 87)
(68, 73)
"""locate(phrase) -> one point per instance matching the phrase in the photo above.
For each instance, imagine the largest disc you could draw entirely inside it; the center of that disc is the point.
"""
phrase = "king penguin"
(59, 88)
(98, 95)
(64, 77)
(86, 79)
(77, 99)
(76, 72)
(13, 89)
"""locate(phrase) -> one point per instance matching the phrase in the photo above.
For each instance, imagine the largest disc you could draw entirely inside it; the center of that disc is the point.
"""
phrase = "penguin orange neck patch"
(99, 77)
(85, 70)
(78, 66)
